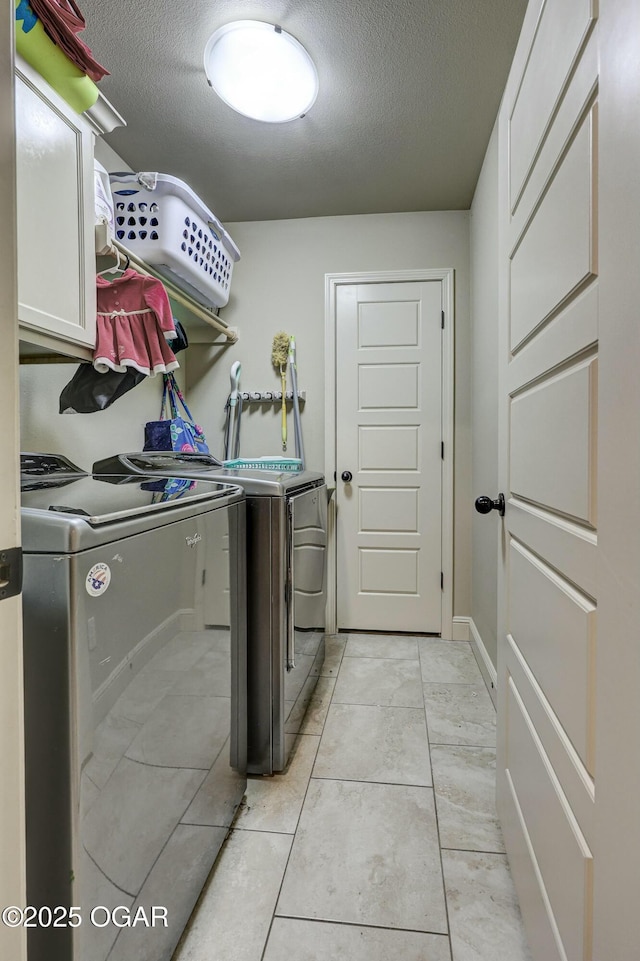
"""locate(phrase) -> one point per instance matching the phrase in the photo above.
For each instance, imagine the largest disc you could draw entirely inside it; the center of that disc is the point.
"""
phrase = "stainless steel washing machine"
(286, 590)
(135, 701)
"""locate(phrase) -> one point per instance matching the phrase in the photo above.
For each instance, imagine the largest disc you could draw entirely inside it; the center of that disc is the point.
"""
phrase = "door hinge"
(10, 572)
(441, 580)
(442, 450)
(442, 316)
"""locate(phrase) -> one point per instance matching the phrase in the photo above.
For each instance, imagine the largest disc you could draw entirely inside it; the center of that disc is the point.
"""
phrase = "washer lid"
(112, 497)
(164, 462)
(256, 483)
(39, 470)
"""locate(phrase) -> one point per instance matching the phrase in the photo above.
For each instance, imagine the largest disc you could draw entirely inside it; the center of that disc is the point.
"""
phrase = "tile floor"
(381, 840)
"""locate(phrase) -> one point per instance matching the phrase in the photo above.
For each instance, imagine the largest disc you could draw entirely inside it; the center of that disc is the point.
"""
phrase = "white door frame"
(332, 281)
(12, 803)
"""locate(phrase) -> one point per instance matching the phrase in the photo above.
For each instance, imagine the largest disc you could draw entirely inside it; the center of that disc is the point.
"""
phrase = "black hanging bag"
(89, 391)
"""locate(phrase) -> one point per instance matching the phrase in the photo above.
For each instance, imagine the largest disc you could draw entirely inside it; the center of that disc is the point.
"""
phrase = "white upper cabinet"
(55, 209)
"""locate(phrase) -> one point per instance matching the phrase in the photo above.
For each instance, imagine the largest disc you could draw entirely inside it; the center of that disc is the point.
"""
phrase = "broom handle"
(296, 413)
(283, 380)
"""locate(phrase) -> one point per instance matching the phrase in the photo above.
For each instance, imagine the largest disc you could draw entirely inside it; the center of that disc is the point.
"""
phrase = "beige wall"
(484, 396)
(279, 284)
(83, 438)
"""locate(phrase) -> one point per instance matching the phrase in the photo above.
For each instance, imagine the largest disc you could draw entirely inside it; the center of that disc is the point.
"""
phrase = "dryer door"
(306, 565)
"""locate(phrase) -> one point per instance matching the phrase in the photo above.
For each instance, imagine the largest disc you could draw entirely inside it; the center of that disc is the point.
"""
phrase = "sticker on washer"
(98, 579)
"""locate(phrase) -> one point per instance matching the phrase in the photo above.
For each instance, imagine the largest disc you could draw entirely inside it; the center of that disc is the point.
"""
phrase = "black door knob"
(347, 476)
(484, 504)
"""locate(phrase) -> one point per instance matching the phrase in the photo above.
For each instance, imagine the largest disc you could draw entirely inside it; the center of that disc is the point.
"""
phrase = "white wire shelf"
(112, 248)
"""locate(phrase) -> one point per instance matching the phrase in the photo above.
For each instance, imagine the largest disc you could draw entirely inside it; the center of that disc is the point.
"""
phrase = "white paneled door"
(548, 444)
(388, 456)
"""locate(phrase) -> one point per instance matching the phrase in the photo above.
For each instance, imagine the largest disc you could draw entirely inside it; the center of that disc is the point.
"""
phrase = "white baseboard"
(485, 663)
(464, 629)
(460, 629)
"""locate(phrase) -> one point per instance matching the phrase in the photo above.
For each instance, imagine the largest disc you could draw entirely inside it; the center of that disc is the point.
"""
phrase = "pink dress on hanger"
(134, 323)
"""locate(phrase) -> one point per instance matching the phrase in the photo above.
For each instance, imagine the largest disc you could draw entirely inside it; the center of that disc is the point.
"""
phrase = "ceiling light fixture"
(261, 71)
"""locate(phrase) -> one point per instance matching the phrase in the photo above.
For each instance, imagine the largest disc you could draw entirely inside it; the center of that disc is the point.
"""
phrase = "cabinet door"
(56, 258)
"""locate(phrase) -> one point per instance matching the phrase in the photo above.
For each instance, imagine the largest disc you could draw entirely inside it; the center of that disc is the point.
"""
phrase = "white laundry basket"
(160, 218)
(104, 212)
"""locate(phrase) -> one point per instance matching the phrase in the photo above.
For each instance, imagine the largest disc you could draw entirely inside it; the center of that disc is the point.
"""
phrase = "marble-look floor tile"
(364, 879)
(294, 711)
(292, 938)
(295, 680)
(328, 664)
(220, 794)
(460, 714)
(234, 915)
(309, 712)
(274, 803)
(448, 662)
(381, 645)
(366, 854)
(289, 743)
(295, 708)
(309, 642)
(318, 708)
(175, 883)
(465, 784)
(483, 908)
(371, 680)
(374, 743)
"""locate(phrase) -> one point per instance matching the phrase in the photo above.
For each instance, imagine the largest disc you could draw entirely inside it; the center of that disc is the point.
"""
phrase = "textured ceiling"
(409, 91)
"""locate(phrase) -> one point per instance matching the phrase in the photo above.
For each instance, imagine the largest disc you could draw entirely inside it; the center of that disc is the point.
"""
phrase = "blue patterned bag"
(169, 488)
(173, 432)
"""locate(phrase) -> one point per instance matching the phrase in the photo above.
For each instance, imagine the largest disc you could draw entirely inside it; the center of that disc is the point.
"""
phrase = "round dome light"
(261, 71)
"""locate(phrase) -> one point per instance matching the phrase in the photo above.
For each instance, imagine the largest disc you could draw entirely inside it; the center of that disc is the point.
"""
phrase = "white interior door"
(12, 856)
(388, 456)
(548, 443)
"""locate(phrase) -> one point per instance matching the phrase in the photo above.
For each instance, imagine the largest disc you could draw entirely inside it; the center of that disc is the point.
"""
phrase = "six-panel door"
(389, 433)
